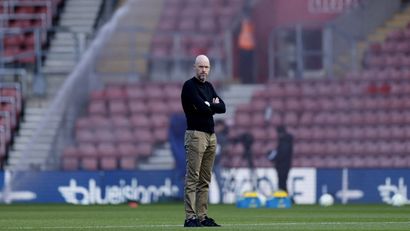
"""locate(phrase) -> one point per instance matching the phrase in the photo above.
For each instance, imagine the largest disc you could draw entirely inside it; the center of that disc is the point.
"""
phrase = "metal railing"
(51, 9)
(70, 101)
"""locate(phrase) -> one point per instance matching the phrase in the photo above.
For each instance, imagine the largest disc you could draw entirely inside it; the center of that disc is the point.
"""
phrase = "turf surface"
(170, 216)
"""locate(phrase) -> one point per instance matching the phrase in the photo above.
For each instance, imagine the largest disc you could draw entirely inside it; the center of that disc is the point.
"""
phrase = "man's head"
(202, 67)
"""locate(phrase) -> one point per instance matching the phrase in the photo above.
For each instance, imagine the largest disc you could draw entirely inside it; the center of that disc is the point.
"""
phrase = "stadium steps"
(234, 95)
(78, 16)
(161, 159)
(24, 155)
(127, 51)
(399, 20)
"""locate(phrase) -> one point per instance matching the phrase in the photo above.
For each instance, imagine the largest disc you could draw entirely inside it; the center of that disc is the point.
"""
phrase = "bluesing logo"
(116, 194)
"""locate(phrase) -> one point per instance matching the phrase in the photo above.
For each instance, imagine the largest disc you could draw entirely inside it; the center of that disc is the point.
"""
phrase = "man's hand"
(215, 100)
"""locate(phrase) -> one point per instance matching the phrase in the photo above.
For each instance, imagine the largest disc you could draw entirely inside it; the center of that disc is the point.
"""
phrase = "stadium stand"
(350, 123)
(19, 21)
(122, 126)
(22, 24)
(358, 121)
(41, 37)
(11, 107)
(137, 114)
(188, 28)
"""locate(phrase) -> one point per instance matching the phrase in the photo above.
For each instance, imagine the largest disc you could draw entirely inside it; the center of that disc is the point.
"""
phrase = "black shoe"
(209, 222)
(192, 222)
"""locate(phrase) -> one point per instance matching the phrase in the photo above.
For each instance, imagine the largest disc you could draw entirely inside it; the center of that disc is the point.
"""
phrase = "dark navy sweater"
(198, 114)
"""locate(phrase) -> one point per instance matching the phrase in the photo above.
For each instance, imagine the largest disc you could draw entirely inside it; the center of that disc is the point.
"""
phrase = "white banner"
(234, 182)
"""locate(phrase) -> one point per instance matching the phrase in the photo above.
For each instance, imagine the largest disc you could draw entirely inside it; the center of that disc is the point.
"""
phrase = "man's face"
(202, 69)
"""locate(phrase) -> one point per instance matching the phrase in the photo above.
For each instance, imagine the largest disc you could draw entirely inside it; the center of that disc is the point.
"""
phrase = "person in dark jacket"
(221, 132)
(282, 156)
(200, 102)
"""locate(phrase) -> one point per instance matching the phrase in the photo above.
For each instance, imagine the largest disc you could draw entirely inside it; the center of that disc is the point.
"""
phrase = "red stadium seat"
(70, 159)
(97, 107)
(243, 119)
(121, 121)
(118, 108)
(107, 156)
(104, 135)
(84, 135)
(115, 92)
(144, 136)
(139, 121)
(89, 159)
(123, 135)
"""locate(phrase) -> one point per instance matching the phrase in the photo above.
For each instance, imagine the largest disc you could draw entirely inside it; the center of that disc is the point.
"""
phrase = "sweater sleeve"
(217, 107)
(194, 102)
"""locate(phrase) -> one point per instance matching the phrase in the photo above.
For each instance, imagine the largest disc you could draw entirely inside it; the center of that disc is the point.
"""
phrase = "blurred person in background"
(200, 102)
(176, 135)
(246, 45)
(221, 131)
(282, 156)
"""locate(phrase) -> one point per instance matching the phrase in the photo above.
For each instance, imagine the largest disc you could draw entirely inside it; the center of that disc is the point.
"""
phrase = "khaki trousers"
(200, 150)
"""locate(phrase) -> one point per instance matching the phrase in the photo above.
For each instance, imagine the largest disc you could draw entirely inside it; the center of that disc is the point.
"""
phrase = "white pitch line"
(227, 225)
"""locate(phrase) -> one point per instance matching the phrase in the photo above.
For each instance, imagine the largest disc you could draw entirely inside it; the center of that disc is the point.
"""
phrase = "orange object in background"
(246, 40)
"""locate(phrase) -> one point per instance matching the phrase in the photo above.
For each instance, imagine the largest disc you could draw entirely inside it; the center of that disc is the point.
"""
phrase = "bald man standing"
(200, 102)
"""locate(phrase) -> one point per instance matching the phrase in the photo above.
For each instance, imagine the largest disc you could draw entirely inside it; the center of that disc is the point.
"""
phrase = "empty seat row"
(312, 133)
(105, 156)
(191, 28)
(135, 121)
(353, 162)
(377, 133)
(141, 150)
(352, 148)
(118, 115)
(373, 137)
(188, 24)
(375, 74)
(208, 18)
(354, 87)
(329, 104)
(397, 61)
(135, 107)
(322, 118)
(165, 44)
(327, 162)
(202, 4)
(399, 35)
(123, 135)
(390, 47)
(136, 91)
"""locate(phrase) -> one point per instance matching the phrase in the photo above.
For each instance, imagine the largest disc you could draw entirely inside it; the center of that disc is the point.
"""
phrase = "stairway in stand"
(78, 19)
(399, 21)
(126, 55)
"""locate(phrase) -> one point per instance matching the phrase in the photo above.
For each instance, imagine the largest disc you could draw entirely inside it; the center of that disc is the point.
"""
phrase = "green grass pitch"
(170, 216)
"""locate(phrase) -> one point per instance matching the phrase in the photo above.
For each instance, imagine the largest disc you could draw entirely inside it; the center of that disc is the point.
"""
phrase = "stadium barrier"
(115, 187)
